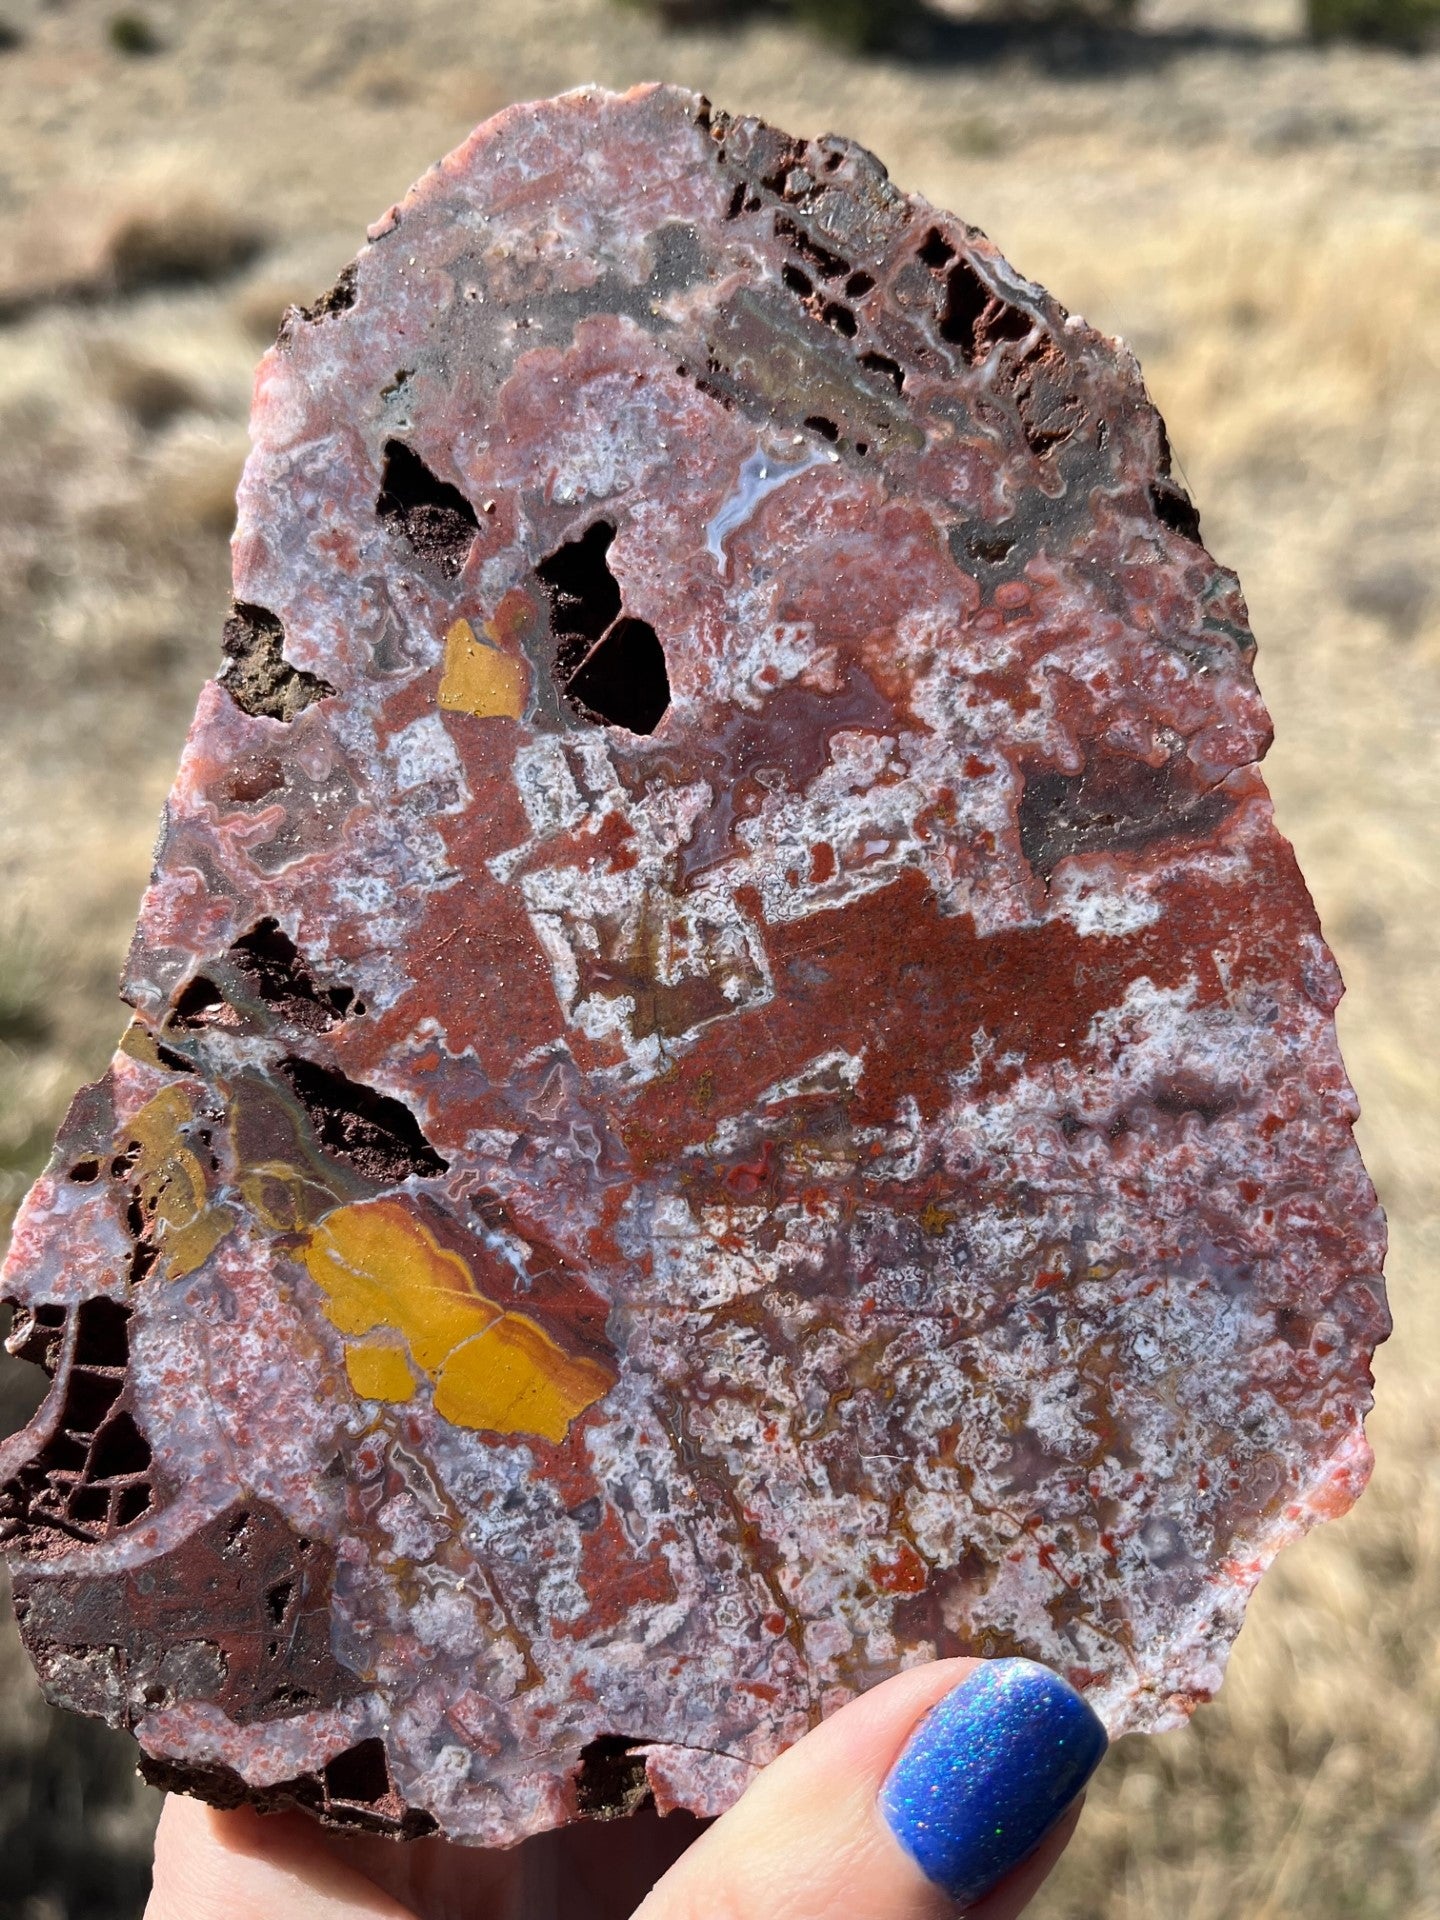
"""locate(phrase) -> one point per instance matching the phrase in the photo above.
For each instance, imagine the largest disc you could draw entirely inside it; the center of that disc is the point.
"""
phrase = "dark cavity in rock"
(1175, 508)
(609, 668)
(90, 1478)
(434, 519)
(337, 299)
(355, 1790)
(256, 674)
(377, 1135)
(263, 972)
(611, 1783)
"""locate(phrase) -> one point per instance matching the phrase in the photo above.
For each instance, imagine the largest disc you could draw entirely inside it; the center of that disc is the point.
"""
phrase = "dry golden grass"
(1259, 222)
(1291, 341)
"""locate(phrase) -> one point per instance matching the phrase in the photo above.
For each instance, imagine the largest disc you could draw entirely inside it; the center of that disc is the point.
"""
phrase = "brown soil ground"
(1260, 219)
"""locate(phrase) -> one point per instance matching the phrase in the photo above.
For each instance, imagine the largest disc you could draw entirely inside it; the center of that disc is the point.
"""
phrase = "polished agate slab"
(731, 1085)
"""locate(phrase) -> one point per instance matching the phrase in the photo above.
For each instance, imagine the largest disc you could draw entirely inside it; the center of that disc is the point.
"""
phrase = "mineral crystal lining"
(732, 1086)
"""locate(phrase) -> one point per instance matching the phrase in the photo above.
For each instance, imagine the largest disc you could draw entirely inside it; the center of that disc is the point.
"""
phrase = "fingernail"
(988, 1772)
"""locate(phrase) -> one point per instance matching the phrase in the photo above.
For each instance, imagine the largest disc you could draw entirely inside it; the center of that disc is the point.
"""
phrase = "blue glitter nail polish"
(988, 1772)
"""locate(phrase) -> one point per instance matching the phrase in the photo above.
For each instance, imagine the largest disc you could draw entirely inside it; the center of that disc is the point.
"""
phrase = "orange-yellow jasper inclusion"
(382, 1273)
(379, 1373)
(479, 679)
(171, 1185)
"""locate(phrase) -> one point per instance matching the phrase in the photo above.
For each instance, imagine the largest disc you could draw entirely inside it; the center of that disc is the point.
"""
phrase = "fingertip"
(953, 1782)
(989, 1773)
(239, 1865)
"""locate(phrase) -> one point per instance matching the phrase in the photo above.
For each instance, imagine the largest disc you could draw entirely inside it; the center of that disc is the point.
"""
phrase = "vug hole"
(796, 281)
(373, 1132)
(84, 1171)
(120, 1450)
(859, 284)
(966, 298)
(841, 319)
(339, 299)
(1176, 509)
(611, 1783)
(992, 549)
(1043, 440)
(88, 1400)
(65, 1455)
(133, 1501)
(936, 251)
(827, 429)
(882, 363)
(829, 265)
(584, 594)
(610, 668)
(199, 1003)
(360, 1775)
(623, 680)
(277, 1599)
(432, 517)
(288, 1700)
(102, 1336)
(279, 976)
(1005, 322)
(256, 674)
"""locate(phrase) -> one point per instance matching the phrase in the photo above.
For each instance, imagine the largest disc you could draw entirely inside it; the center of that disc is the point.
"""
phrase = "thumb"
(952, 1785)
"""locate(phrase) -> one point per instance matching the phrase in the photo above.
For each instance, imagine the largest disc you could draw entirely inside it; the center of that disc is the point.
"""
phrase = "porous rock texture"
(731, 1084)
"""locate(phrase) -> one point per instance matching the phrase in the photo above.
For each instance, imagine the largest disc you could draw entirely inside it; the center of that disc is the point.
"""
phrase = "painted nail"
(988, 1772)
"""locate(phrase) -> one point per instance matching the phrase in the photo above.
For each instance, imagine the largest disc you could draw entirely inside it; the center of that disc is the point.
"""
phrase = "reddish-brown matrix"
(731, 1084)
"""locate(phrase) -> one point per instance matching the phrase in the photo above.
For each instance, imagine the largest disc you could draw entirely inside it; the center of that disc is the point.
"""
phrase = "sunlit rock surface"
(731, 1086)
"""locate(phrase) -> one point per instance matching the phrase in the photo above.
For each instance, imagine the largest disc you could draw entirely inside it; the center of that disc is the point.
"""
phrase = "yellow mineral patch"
(513, 1378)
(479, 679)
(138, 1041)
(381, 1269)
(379, 1373)
(171, 1185)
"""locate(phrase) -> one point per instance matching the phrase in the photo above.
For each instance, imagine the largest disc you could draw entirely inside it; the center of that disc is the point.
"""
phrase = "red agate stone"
(731, 1086)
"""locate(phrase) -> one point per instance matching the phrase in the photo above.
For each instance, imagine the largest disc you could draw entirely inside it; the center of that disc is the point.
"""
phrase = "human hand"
(952, 1788)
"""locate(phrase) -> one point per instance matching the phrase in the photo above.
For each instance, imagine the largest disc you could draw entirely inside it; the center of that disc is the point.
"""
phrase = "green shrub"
(862, 25)
(25, 971)
(693, 13)
(867, 25)
(1100, 13)
(188, 241)
(1396, 23)
(132, 34)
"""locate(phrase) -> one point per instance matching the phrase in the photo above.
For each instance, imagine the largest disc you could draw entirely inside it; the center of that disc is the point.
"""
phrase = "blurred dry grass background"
(1259, 217)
